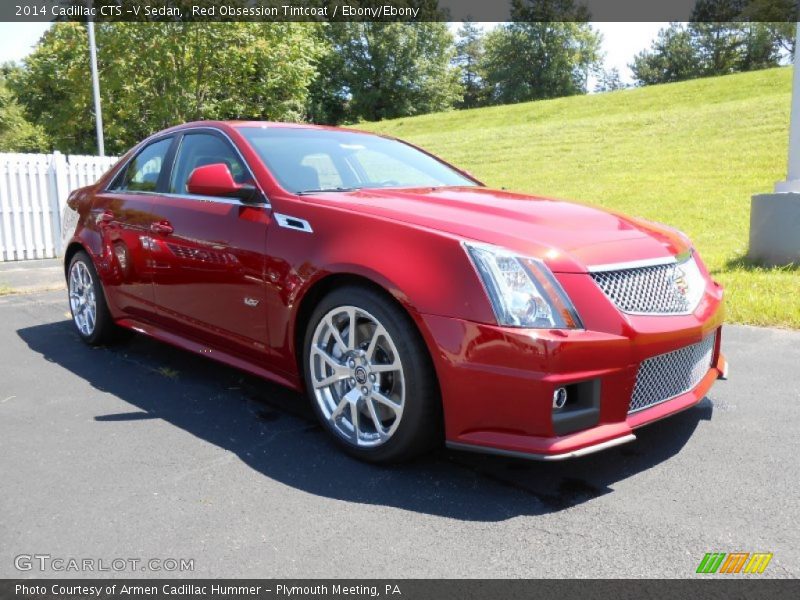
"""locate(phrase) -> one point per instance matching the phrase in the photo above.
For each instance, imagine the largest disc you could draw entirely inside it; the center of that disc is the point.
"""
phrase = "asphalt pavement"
(139, 451)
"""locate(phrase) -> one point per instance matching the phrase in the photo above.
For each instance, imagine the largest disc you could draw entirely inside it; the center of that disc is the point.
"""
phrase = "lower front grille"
(663, 377)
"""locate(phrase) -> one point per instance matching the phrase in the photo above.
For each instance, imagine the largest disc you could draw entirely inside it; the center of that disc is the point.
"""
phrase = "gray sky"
(620, 40)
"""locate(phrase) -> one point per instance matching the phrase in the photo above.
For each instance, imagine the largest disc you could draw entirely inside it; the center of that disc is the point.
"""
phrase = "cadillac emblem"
(680, 283)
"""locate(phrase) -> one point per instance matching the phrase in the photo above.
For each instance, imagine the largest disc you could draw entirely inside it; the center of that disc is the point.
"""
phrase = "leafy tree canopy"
(17, 134)
(375, 70)
(703, 49)
(157, 75)
(547, 51)
(469, 59)
(609, 80)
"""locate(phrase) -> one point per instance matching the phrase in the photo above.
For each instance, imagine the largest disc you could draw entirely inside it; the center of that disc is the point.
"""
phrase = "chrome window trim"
(200, 198)
(219, 199)
(159, 137)
(284, 221)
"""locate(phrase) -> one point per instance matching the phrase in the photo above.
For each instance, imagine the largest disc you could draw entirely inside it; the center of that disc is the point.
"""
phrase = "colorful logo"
(680, 282)
(734, 562)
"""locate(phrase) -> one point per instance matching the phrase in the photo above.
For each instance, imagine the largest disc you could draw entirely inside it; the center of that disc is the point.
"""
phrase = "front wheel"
(370, 378)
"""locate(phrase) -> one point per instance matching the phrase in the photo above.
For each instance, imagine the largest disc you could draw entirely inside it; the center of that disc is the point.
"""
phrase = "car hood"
(568, 236)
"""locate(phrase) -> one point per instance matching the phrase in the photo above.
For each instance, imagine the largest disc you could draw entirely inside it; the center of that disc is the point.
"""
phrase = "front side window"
(144, 169)
(306, 160)
(199, 150)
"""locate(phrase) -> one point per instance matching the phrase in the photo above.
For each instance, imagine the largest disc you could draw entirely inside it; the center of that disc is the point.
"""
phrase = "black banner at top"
(400, 10)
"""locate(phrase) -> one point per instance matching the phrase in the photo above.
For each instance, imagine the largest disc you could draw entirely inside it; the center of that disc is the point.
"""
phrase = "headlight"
(522, 291)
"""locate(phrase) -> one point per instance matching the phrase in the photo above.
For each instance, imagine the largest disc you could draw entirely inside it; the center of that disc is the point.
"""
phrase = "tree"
(534, 60)
(17, 134)
(469, 58)
(707, 48)
(609, 80)
(156, 75)
(548, 10)
(784, 34)
(730, 47)
(671, 57)
(777, 16)
(376, 70)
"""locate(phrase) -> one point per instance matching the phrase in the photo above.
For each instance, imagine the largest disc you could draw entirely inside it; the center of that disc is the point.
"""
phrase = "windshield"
(313, 160)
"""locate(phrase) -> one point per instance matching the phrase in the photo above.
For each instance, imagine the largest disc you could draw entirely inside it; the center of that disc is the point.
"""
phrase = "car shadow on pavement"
(272, 429)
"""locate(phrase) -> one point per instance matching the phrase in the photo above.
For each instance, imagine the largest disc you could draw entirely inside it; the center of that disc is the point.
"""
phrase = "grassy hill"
(688, 154)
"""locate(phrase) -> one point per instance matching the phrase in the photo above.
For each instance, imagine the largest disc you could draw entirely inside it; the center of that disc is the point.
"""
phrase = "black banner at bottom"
(406, 589)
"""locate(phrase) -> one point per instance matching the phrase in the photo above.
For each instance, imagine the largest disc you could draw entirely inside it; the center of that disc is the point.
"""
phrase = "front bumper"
(497, 383)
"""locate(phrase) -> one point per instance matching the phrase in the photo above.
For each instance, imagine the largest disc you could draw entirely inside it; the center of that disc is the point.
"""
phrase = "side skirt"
(204, 350)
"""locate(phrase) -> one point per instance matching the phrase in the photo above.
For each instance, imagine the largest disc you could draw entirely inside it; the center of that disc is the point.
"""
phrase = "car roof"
(277, 124)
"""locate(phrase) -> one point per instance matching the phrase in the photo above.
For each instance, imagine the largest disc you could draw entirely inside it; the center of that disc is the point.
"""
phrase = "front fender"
(425, 270)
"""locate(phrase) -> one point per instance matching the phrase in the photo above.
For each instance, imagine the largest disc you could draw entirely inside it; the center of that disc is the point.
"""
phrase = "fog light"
(559, 398)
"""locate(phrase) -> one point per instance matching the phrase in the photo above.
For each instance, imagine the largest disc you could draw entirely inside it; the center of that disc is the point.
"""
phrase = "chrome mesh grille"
(663, 377)
(644, 290)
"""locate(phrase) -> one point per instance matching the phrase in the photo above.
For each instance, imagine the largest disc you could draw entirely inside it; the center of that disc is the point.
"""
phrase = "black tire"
(420, 428)
(104, 330)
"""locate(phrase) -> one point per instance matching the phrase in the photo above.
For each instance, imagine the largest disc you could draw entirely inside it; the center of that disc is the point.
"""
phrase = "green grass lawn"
(688, 154)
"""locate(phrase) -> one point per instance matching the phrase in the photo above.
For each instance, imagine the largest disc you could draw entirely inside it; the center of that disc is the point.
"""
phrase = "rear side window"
(144, 169)
(201, 149)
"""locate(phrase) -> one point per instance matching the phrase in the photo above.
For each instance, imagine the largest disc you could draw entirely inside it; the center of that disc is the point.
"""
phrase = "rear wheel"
(87, 302)
(369, 377)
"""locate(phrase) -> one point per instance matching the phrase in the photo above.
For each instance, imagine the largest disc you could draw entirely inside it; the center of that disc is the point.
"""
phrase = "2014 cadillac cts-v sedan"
(411, 303)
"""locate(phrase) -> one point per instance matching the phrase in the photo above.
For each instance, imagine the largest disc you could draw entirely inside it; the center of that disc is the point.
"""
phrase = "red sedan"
(411, 303)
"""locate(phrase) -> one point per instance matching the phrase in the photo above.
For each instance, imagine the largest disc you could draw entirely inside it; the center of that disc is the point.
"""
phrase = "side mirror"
(216, 180)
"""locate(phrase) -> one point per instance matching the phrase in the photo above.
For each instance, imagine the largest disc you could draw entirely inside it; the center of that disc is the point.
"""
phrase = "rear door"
(208, 256)
(123, 215)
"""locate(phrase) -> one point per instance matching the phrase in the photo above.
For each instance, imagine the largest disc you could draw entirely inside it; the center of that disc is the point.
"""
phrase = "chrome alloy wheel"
(81, 298)
(357, 376)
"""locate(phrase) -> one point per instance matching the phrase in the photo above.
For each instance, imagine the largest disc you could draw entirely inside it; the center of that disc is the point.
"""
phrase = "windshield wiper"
(336, 189)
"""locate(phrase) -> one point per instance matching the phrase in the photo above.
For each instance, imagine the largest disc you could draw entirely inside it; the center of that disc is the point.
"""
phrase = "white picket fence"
(33, 192)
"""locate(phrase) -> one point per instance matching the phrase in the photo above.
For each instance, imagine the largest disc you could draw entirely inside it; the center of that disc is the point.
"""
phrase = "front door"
(208, 255)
